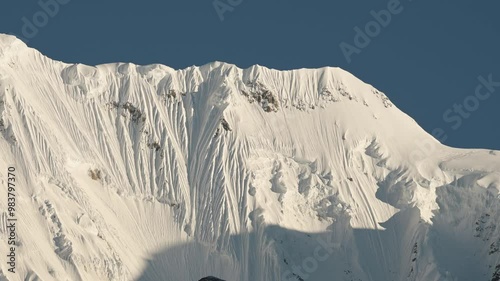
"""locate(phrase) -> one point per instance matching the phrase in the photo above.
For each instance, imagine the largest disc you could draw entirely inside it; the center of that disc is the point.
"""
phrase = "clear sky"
(427, 58)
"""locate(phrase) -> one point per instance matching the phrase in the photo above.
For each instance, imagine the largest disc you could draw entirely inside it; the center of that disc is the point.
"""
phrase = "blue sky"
(427, 58)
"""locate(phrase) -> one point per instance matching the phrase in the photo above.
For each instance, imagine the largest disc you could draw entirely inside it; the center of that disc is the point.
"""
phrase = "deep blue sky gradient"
(427, 59)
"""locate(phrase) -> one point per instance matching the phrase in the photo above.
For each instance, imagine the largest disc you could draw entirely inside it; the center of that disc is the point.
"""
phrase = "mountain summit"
(127, 172)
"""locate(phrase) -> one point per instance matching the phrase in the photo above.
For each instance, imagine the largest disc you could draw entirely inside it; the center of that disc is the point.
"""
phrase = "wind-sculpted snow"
(129, 172)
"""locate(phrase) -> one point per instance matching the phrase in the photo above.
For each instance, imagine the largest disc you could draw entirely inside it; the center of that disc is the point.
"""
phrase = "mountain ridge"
(153, 70)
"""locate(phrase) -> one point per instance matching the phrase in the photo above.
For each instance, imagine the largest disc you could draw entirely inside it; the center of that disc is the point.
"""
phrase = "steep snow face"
(128, 172)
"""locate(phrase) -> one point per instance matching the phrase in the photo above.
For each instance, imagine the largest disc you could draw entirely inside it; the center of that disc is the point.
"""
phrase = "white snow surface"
(128, 172)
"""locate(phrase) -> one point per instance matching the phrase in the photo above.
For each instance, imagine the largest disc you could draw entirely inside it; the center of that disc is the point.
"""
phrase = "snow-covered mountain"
(127, 172)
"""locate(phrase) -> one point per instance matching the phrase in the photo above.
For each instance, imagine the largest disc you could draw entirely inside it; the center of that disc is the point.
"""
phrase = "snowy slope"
(129, 172)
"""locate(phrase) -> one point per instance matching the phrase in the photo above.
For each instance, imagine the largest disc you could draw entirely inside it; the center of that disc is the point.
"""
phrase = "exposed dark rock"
(95, 174)
(496, 274)
(211, 278)
(225, 125)
(135, 114)
(266, 98)
(154, 145)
